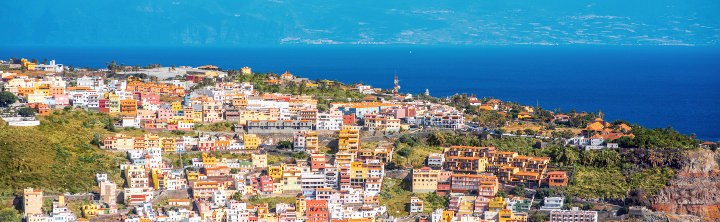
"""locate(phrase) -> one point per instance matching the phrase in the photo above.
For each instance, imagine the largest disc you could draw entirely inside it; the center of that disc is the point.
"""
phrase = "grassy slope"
(591, 182)
(417, 155)
(57, 155)
(395, 195)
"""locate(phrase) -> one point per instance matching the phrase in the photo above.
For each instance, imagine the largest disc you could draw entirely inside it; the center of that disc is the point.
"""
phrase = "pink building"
(164, 114)
(61, 100)
(150, 98)
(146, 114)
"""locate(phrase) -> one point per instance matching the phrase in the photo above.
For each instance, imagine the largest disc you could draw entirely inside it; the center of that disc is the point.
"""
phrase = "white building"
(219, 198)
(416, 205)
(436, 215)
(51, 67)
(94, 83)
(365, 89)
(435, 160)
(329, 121)
(445, 117)
(552, 203)
(573, 215)
(131, 122)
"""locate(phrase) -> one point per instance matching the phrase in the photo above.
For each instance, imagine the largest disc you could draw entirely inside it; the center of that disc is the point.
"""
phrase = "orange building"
(128, 107)
(557, 179)
(509, 167)
(43, 109)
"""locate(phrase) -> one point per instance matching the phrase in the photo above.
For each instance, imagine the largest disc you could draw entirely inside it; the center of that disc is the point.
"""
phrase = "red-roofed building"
(562, 118)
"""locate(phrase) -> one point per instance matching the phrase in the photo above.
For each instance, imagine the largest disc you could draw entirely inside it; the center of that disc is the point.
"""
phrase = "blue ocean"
(656, 86)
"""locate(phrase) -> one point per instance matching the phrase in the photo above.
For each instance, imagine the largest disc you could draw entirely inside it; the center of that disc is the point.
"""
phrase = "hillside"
(59, 155)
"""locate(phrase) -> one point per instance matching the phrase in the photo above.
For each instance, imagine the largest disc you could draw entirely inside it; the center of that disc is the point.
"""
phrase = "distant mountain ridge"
(274, 22)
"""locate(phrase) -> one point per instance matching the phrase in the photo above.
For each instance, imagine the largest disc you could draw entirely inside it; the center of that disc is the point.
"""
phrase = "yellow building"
(497, 204)
(250, 115)
(344, 158)
(193, 176)
(348, 139)
(358, 171)
(524, 115)
(249, 189)
(252, 141)
(292, 183)
(90, 210)
(158, 179)
(168, 144)
(275, 172)
(197, 116)
(505, 215)
(311, 142)
(209, 161)
(447, 215)
(176, 106)
(519, 216)
(240, 102)
(300, 207)
(28, 65)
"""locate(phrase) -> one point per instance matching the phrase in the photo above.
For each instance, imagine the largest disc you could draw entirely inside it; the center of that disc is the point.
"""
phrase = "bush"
(7, 98)
(284, 144)
(657, 138)
(26, 112)
(518, 190)
(405, 152)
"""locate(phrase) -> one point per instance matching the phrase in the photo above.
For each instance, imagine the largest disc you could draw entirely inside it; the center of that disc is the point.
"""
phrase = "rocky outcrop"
(695, 189)
(665, 217)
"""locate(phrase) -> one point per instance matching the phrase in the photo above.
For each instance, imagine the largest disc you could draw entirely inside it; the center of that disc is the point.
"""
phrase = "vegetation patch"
(62, 154)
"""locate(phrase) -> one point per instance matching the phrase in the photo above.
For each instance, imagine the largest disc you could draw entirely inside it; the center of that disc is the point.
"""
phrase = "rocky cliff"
(695, 189)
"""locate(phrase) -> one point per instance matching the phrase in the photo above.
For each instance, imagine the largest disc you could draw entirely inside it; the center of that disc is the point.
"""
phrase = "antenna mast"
(396, 90)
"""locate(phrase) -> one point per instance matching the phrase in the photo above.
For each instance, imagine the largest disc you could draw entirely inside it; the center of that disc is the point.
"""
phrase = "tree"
(529, 132)
(544, 192)
(284, 144)
(10, 215)
(518, 190)
(405, 152)
(436, 139)
(501, 194)
(237, 196)
(623, 210)
(7, 98)
(26, 112)
(538, 217)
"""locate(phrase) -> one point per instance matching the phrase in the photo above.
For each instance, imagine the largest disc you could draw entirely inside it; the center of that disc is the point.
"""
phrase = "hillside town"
(218, 145)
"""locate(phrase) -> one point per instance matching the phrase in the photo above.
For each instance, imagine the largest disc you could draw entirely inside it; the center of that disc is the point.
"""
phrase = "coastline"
(638, 85)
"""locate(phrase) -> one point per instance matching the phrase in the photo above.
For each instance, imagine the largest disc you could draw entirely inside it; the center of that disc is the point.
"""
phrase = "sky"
(303, 22)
